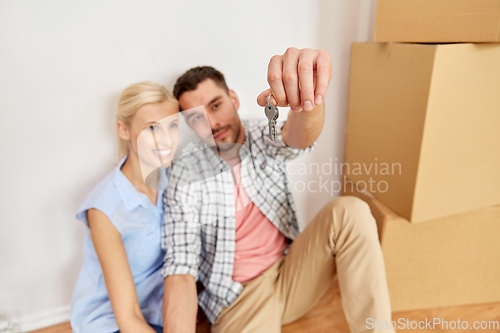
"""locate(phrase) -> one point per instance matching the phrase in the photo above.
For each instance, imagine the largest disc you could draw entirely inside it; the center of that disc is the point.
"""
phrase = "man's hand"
(298, 78)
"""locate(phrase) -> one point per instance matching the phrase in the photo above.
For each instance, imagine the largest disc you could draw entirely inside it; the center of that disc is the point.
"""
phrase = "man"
(230, 218)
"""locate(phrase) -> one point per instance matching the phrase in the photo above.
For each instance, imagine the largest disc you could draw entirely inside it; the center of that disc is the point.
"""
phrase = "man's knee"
(351, 204)
(353, 213)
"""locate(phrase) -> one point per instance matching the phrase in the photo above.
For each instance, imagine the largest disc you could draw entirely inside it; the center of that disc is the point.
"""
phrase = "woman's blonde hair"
(132, 98)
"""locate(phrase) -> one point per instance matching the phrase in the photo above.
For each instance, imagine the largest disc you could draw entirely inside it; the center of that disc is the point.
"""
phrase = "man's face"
(221, 110)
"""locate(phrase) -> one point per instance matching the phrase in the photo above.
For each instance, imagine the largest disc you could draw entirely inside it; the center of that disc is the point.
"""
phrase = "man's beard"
(227, 146)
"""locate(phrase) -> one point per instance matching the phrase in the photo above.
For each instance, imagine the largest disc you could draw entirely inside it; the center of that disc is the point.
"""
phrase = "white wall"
(339, 23)
(62, 66)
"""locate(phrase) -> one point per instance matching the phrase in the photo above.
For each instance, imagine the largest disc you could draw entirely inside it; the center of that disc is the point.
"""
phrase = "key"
(272, 115)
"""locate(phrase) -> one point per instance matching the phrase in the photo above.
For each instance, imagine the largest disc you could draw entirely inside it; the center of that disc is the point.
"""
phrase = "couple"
(235, 231)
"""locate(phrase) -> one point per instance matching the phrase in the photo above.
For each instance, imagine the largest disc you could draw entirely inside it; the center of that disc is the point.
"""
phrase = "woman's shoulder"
(104, 197)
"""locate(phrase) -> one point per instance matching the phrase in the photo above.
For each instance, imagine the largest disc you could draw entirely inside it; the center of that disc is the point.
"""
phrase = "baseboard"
(42, 319)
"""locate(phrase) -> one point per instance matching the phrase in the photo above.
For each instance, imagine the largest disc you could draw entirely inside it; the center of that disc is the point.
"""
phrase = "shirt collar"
(163, 179)
(245, 148)
(128, 193)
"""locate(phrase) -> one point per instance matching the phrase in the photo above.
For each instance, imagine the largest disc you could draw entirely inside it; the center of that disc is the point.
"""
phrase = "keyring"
(269, 99)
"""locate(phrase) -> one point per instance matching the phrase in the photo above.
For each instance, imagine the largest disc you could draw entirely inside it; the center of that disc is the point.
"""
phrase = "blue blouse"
(139, 223)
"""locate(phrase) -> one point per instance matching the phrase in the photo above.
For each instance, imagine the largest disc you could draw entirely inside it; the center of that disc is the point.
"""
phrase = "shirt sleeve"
(279, 147)
(103, 197)
(181, 238)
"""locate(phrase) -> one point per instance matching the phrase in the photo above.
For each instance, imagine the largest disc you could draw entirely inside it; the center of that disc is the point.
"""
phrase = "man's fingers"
(275, 79)
(291, 78)
(305, 70)
(323, 76)
(298, 78)
(262, 98)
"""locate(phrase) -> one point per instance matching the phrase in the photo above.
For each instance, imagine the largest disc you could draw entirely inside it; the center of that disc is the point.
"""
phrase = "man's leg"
(256, 309)
(342, 237)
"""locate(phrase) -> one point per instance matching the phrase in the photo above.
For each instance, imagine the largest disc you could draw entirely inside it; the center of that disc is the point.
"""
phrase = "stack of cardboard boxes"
(423, 148)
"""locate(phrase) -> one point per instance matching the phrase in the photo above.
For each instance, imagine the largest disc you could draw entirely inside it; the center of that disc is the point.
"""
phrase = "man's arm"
(300, 79)
(182, 246)
(180, 304)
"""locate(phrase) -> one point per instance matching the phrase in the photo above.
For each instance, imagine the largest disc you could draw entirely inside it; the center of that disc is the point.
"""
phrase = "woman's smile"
(163, 153)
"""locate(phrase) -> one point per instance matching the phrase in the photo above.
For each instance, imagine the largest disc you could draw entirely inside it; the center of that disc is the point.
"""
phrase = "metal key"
(272, 115)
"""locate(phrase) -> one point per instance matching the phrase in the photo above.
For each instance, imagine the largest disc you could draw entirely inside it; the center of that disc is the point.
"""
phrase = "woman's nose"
(165, 138)
(171, 138)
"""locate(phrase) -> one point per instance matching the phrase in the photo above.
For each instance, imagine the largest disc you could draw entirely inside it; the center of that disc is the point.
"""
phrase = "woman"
(120, 287)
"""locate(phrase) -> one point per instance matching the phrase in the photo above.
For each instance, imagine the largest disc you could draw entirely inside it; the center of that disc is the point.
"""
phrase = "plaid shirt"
(199, 223)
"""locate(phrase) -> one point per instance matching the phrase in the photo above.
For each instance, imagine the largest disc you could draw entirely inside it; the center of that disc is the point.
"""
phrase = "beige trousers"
(342, 238)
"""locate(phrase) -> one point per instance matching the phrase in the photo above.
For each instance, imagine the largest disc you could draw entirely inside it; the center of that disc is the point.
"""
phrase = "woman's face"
(154, 134)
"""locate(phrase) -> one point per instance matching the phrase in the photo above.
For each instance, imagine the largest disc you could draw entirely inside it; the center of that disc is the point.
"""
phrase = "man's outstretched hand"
(299, 78)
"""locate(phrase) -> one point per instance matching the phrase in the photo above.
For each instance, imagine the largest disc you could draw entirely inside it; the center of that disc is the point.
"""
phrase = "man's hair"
(190, 80)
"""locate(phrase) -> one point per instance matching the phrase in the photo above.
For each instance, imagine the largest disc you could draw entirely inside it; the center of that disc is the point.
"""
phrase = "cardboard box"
(447, 262)
(437, 21)
(423, 126)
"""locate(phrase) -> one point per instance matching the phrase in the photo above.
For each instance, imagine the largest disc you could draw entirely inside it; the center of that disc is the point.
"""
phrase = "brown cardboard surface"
(431, 114)
(446, 262)
(437, 21)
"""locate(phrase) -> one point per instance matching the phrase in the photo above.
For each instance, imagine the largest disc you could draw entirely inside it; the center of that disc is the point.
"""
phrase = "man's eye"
(215, 106)
(153, 127)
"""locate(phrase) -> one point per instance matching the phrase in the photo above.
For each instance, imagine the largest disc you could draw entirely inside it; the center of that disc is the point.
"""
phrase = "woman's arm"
(117, 275)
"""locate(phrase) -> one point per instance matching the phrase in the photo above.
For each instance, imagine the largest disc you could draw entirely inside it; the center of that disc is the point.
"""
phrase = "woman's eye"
(174, 125)
(153, 127)
(196, 118)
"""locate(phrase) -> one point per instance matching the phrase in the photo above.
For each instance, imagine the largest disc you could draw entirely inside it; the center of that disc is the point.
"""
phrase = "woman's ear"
(123, 131)
(235, 99)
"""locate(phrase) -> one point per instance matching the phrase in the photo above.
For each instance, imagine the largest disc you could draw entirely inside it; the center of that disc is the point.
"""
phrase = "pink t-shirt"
(258, 242)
